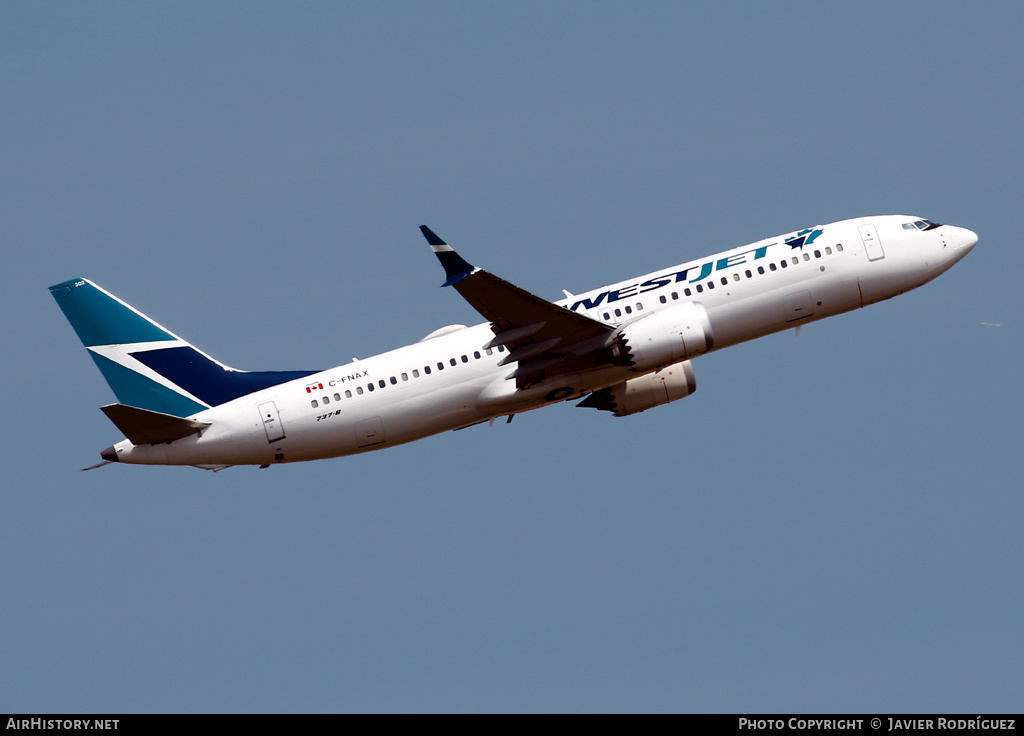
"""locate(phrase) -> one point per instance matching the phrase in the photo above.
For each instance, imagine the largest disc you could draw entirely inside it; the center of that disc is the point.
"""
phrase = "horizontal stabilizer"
(144, 427)
(98, 465)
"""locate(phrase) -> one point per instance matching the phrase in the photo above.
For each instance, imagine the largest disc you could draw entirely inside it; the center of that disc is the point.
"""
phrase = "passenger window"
(618, 312)
(415, 373)
(393, 381)
(760, 270)
(607, 316)
(784, 264)
(488, 351)
(676, 296)
(639, 307)
(451, 360)
(440, 366)
(773, 267)
(426, 369)
(381, 383)
(359, 390)
(662, 299)
(807, 256)
(725, 281)
(369, 387)
(828, 251)
(839, 247)
(501, 348)
(687, 292)
(325, 400)
(817, 254)
(796, 260)
(699, 288)
(465, 359)
(348, 394)
(711, 285)
(748, 274)
(629, 309)
(405, 376)
(314, 404)
(476, 354)
(337, 397)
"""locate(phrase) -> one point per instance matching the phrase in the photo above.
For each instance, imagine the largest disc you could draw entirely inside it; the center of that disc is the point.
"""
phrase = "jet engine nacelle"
(666, 336)
(674, 382)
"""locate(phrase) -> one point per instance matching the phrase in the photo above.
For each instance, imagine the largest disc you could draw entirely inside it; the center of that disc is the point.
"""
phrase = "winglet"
(455, 266)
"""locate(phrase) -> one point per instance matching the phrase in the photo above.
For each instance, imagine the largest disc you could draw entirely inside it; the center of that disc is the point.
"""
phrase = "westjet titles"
(675, 277)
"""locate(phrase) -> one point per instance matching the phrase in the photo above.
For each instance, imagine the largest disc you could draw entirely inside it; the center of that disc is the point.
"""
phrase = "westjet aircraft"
(623, 348)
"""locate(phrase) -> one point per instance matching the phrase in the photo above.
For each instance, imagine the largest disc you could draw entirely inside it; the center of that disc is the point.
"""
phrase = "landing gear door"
(872, 245)
(271, 421)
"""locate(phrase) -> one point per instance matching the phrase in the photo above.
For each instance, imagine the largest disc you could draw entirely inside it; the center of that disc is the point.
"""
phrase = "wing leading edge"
(542, 337)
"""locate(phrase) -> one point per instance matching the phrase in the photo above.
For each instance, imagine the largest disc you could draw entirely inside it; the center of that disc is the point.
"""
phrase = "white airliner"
(626, 348)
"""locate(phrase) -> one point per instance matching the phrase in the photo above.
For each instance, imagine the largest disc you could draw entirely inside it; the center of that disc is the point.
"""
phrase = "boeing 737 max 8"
(623, 348)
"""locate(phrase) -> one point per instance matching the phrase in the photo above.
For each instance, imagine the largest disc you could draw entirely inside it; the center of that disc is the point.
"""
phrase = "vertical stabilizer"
(148, 366)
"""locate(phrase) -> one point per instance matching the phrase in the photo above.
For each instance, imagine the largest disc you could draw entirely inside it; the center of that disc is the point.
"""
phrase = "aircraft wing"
(544, 338)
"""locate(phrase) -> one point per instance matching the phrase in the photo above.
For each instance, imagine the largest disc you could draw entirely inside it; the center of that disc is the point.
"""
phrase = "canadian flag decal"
(311, 386)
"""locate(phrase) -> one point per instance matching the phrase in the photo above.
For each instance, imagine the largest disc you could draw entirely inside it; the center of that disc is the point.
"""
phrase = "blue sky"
(831, 523)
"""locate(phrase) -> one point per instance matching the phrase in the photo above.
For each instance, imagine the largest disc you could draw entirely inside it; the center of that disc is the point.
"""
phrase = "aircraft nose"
(965, 241)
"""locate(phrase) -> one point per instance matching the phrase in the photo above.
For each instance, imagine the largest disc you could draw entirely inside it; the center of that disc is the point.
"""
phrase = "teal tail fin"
(148, 366)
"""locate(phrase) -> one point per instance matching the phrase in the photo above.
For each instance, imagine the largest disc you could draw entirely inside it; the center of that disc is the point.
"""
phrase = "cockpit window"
(921, 225)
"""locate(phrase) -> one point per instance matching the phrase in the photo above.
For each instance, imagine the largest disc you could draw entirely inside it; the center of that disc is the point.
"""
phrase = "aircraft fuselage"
(454, 380)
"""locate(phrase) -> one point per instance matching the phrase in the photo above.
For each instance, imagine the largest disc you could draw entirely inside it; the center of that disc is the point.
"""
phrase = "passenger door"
(271, 421)
(872, 245)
